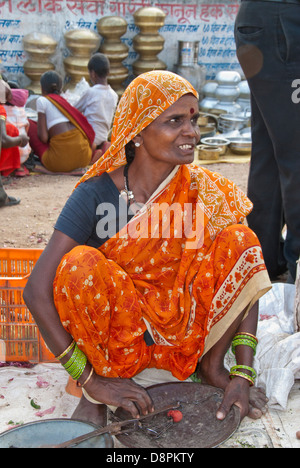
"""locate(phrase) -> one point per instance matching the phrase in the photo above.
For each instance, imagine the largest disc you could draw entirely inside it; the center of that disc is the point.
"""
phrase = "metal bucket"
(53, 431)
(188, 52)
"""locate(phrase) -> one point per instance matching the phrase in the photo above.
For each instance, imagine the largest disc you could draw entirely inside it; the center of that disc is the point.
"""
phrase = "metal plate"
(198, 428)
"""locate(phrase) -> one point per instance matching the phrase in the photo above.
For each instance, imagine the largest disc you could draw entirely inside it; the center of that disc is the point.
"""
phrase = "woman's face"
(172, 137)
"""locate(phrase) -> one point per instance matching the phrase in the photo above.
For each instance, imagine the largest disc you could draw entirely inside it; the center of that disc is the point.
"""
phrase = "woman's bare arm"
(9, 141)
(42, 130)
(38, 296)
(38, 293)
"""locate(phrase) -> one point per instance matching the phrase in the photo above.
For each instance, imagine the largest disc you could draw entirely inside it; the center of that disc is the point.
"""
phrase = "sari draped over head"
(147, 97)
(183, 268)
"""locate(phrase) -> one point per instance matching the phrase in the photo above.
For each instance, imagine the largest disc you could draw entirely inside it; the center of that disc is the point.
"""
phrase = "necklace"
(128, 194)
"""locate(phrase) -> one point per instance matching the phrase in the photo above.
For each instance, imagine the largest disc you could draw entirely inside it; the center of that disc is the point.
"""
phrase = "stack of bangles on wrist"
(76, 364)
(245, 339)
(237, 371)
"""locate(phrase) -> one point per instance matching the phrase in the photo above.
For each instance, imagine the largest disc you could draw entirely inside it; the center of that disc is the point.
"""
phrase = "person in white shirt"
(99, 102)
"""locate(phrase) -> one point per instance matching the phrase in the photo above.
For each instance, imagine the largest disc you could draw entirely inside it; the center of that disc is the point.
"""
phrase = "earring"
(137, 144)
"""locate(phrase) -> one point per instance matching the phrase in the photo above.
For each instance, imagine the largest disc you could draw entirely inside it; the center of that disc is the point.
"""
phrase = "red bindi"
(192, 110)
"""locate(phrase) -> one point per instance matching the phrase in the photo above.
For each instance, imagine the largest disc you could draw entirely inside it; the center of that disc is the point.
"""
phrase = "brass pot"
(112, 28)
(39, 47)
(208, 152)
(82, 43)
(241, 146)
(148, 43)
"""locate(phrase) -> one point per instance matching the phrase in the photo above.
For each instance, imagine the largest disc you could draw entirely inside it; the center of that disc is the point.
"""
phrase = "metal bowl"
(216, 142)
(241, 146)
(229, 122)
(53, 431)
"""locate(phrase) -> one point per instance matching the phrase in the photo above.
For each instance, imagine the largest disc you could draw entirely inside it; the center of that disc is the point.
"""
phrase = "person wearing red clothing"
(7, 141)
(11, 140)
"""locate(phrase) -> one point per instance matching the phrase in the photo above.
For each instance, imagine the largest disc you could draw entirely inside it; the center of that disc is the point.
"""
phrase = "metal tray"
(199, 427)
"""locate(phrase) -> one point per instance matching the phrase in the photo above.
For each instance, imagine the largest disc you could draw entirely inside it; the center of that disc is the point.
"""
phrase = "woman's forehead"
(186, 103)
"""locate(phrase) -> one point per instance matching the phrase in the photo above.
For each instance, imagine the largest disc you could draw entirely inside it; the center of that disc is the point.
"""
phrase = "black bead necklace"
(128, 194)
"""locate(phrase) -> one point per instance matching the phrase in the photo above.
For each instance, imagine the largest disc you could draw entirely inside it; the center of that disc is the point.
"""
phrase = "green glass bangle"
(250, 369)
(71, 362)
(76, 364)
(246, 336)
(238, 341)
(77, 368)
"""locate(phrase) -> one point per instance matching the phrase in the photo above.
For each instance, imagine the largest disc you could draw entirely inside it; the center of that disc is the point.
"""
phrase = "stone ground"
(30, 224)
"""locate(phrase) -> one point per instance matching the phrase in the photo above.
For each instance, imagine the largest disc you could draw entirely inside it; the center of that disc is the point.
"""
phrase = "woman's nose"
(191, 128)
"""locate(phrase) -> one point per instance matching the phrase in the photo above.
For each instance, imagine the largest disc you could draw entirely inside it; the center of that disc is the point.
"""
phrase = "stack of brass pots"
(148, 43)
(39, 47)
(82, 43)
(112, 28)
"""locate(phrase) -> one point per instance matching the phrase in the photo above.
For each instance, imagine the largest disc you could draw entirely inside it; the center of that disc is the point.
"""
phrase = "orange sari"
(182, 268)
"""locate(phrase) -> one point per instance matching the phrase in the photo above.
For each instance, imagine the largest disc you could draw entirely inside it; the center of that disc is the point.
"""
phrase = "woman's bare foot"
(258, 402)
(220, 378)
(90, 412)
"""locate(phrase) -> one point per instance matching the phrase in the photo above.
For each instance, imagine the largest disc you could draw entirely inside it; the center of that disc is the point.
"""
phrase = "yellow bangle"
(253, 337)
(65, 352)
(243, 376)
(87, 380)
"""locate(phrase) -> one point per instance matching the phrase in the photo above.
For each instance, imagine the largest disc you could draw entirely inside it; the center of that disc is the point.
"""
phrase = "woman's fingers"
(122, 393)
(137, 403)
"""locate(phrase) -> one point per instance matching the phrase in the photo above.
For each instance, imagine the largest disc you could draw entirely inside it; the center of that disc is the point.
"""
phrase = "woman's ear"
(137, 140)
(93, 76)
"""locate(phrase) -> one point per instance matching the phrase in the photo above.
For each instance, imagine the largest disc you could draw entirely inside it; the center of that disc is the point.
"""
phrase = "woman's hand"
(122, 393)
(23, 140)
(8, 94)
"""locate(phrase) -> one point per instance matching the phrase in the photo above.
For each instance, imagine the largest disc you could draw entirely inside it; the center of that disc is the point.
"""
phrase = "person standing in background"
(267, 35)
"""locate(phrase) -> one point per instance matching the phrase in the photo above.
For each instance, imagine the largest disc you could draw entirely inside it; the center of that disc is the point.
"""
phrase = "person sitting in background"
(62, 137)
(16, 115)
(99, 103)
(10, 138)
(5, 200)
